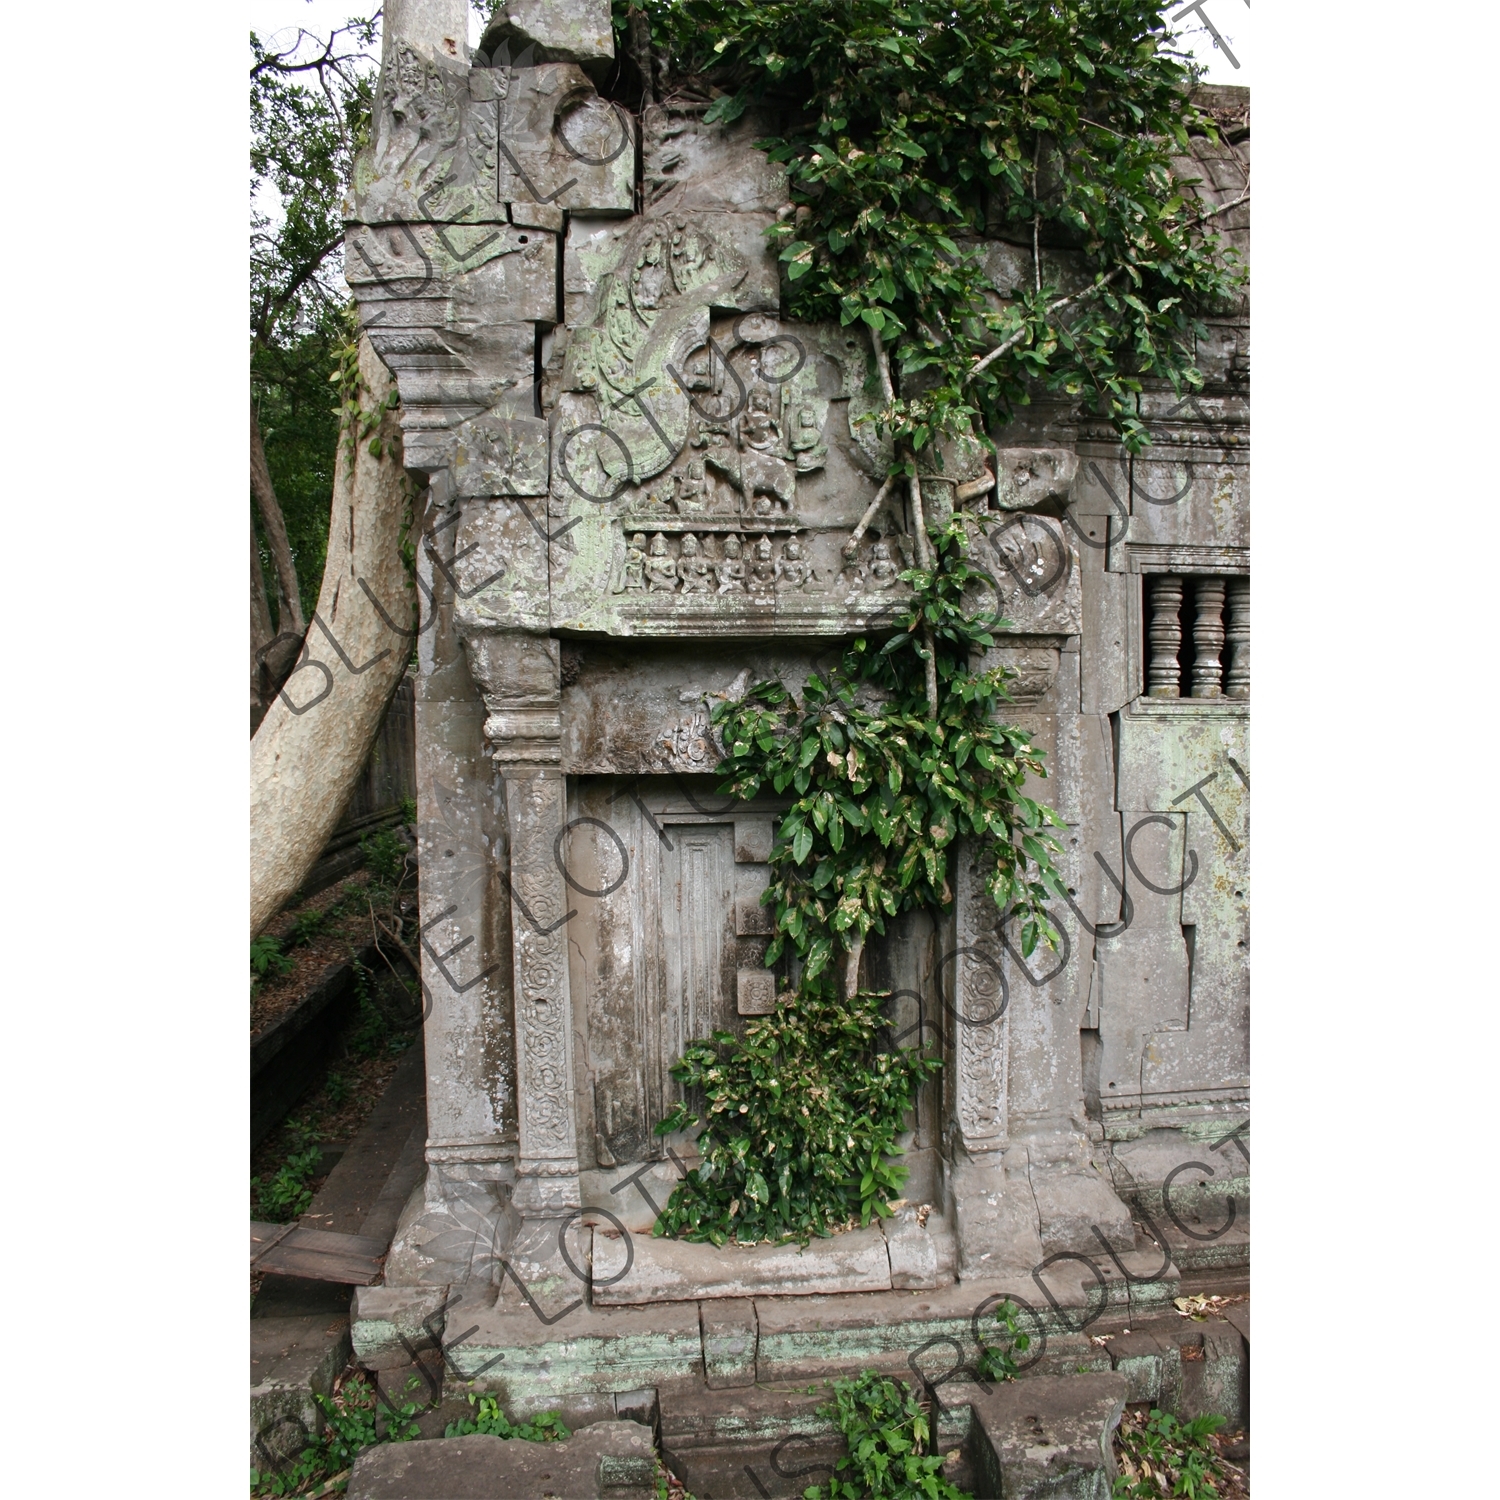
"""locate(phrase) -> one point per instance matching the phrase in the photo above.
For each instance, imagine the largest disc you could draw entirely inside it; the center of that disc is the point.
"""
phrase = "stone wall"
(643, 484)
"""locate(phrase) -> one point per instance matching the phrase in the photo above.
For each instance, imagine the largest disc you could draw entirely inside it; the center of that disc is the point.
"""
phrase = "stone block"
(1035, 565)
(823, 1337)
(730, 1333)
(1218, 1380)
(1046, 1438)
(1030, 477)
(609, 1459)
(1142, 1359)
(755, 992)
(716, 168)
(924, 1256)
(533, 1364)
(560, 145)
(639, 1406)
(665, 1270)
(384, 1315)
(750, 1442)
(291, 1359)
(499, 566)
(560, 30)
(501, 456)
(753, 840)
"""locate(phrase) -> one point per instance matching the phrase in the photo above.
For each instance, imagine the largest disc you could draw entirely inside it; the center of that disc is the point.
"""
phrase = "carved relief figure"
(661, 566)
(692, 568)
(806, 450)
(882, 570)
(851, 578)
(635, 563)
(731, 571)
(694, 490)
(763, 569)
(769, 479)
(792, 572)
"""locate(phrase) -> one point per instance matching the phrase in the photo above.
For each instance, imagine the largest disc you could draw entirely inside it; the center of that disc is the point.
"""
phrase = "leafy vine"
(916, 135)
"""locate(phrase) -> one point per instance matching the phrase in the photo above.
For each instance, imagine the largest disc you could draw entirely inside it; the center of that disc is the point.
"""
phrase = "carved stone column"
(1237, 635)
(1208, 637)
(519, 675)
(1163, 675)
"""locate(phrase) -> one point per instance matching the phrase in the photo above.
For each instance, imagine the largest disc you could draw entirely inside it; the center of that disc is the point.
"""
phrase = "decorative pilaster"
(974, 996)
(1164, 675)
(1237, 636)
(519, 676)
(1208, 637)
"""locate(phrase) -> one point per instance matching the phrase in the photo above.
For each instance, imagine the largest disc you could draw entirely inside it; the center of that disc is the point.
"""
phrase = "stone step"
(290, 1359)
(768, 1443)
(1048, 1438)
(607, 1461)
(548, 1348)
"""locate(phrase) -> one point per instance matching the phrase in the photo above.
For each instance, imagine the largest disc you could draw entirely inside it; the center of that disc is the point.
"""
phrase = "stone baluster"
(1208, 638)
(1237, 635)
(1165, 634)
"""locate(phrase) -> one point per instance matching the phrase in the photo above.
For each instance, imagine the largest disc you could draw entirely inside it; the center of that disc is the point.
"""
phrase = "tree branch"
(275, 526)
(980, 365)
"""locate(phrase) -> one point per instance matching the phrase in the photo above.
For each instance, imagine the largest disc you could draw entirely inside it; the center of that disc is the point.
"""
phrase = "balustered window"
(1197, 635)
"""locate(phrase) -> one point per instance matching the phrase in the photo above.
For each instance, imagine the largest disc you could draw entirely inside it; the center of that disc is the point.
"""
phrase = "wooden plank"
(321, 1255)
(263, 1236)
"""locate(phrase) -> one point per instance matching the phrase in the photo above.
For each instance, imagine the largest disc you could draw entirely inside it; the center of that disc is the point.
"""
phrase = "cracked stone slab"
(665, 1270)
(608, 1459)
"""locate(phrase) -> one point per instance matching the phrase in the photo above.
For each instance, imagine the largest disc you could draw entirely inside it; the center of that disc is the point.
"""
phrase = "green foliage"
(1161, 1456)
(373, 1032)
(266, 957)
(890, 1445)
(289, 1191)
(349, 1428)
(385, 857)
(997, 1361)
(798, 1119)
(489, 1420)
(912, 129)
(885, 787)
(309, 113)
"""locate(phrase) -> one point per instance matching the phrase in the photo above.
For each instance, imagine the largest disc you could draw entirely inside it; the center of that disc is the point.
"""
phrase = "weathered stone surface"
(643, 484)
(730, 1334)
(923, 1254)
(534, 1364)
(560, 145)
(556, 30)
(291, 1360)
(1047, 1438)
(608, 1459)
(1028, 478)
(1219, 1381)
(690, 165)
(664, 1270)
(385, 1315)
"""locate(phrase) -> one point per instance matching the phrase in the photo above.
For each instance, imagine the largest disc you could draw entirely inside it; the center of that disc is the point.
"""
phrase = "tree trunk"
(306, 757)
(275, 524)
(260, 633)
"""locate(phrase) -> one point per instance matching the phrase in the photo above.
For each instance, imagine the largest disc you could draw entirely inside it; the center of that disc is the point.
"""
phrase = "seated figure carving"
(661, 567)
(730, 570)
(693, 568)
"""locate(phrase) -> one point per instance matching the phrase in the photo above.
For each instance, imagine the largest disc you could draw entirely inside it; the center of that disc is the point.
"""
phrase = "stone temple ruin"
(645, 490)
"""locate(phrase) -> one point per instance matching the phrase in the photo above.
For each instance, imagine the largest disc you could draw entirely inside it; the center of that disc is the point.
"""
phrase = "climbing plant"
(986, 188)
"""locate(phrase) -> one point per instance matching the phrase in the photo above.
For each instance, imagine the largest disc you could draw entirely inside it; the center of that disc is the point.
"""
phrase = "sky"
(1229, 18)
